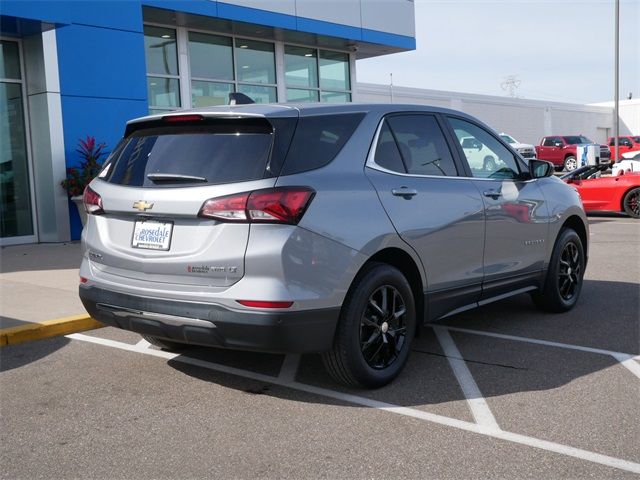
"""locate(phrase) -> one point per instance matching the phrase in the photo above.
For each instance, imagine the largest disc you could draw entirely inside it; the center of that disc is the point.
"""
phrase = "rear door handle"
(492, 194)
(404, 192)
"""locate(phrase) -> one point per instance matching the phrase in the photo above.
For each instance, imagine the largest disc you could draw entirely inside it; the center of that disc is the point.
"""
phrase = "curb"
(46, 329)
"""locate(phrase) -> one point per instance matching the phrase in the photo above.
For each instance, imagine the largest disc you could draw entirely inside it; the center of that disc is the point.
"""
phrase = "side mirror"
(540, 168)
(557, 144)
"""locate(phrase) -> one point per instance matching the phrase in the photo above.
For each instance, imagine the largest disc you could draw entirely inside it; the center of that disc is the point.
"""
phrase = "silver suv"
(337, 229)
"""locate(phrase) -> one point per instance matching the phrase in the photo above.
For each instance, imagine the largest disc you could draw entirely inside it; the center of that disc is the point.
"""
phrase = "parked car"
(562, 151)
(626, 166)
(337, 229)
(631, 156)
(626, 144)
(620, 193)
(526, 150)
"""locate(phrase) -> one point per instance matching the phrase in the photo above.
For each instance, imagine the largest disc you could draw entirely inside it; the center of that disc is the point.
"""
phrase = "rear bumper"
(303, 331)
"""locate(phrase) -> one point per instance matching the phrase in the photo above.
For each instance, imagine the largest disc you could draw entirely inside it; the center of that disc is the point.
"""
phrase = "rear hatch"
(154, 185)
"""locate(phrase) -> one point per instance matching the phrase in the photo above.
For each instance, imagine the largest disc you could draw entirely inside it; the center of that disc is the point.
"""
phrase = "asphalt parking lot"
(501, 392)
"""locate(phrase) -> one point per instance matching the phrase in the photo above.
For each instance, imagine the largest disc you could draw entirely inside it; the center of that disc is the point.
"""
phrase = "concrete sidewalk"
(39, 290)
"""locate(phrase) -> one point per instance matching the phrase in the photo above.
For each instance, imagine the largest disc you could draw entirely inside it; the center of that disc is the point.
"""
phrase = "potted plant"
(79, 177)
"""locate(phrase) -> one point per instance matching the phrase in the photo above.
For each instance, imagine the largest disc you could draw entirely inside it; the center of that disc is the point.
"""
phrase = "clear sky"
(560, 50)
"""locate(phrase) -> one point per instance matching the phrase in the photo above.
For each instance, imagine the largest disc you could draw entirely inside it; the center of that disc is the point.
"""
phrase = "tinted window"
(318, 139)
(198, 154)
(422, 145)
(548, 142)
(387, 154)
(576, 140)
(486, 156)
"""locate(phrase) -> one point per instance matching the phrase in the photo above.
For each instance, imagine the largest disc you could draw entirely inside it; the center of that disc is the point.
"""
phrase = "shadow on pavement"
(16, 356)
(605, 318)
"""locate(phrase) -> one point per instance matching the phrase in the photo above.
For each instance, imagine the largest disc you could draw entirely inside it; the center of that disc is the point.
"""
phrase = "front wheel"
(631, 203)
(375, 330)
(564, 279)
(570, 163)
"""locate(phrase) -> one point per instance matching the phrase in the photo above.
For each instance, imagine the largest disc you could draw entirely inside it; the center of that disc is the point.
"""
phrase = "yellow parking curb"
(48, 328)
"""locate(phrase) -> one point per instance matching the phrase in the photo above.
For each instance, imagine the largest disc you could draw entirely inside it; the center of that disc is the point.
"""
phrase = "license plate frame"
(164, 230)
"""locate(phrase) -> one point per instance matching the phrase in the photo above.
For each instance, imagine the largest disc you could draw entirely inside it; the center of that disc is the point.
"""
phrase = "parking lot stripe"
(477, 404)
(617, 355)
(367, 402)
(289, 367)
(630, 365)
(143, 344)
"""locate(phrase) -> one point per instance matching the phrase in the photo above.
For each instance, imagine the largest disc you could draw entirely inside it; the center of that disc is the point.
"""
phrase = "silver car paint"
(315, 263)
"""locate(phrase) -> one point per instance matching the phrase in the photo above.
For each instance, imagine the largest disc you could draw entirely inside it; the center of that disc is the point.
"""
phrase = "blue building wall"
(102, 62)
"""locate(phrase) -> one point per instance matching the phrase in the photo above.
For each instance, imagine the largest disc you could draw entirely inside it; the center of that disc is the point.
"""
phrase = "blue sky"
(560, 50)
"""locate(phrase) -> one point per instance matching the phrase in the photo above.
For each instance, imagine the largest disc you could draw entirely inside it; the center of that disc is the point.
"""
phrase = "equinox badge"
(142, 205)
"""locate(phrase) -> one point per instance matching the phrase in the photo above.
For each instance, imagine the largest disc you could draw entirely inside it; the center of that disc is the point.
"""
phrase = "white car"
(625, 166)
(526, 150)
(635, 155)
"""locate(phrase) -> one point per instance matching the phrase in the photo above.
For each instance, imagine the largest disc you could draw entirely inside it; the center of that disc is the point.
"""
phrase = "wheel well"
(570, 155)
(575, 223)
(403, 262)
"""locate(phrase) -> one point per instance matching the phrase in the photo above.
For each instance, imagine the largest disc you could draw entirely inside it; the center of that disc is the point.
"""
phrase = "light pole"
(616, 101)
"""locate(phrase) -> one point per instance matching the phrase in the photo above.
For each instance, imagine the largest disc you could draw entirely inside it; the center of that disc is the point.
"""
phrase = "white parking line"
(625, 359)
(367, 402)
(477, 404)
(143, 344)
(539, 342)
(289, 368)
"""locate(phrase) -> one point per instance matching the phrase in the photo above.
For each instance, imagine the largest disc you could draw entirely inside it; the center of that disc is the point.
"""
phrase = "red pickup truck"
(626, 144)
(561, 150)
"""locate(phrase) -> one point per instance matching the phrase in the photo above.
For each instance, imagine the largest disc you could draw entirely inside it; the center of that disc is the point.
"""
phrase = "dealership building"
(69, 69)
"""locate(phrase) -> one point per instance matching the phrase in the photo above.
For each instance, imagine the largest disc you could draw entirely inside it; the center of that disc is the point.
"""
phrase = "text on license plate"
(152, 234)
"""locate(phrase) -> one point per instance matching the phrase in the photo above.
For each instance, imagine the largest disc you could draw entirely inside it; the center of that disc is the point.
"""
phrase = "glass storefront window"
(160, 50)
(255, 62)
(9, 60)
(163, 92)
(301, 67)
(334, 71)
(15, 195)
(300, 96)
(207, 94)
(335, 97)
(210, 56)
(259, 94)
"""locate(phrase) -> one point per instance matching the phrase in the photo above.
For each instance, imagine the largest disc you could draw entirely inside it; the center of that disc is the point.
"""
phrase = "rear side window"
(193, 154)
(318, 139)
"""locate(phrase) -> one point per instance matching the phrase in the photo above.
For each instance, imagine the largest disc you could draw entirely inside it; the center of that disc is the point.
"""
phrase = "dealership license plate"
(152, 235)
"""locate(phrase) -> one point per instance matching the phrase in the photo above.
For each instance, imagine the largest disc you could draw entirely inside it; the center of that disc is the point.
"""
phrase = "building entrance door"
(16, 206)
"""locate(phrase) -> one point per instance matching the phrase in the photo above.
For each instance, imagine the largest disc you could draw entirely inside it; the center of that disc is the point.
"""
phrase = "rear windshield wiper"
(174, 178)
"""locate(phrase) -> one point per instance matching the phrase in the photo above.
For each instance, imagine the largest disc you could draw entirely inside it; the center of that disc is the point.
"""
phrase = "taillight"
(272, 205)
(92, 201)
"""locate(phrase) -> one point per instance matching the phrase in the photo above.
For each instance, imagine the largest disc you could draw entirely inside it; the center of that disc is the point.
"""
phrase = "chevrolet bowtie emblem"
(142, 205)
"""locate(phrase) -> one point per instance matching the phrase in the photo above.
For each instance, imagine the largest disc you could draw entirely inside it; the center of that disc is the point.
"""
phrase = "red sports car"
(606, 194)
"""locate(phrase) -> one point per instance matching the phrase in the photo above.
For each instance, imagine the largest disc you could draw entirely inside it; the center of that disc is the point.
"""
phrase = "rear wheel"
(375, 331)
(164, 344)
(570, 163)
(631, 203)
(563, 284)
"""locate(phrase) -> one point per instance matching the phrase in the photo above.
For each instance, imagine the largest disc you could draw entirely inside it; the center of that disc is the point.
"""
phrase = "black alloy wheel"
(569, 271)
(382, 327)
(631, 203)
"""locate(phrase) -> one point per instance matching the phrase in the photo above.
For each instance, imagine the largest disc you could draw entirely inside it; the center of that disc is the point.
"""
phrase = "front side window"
(485, 155)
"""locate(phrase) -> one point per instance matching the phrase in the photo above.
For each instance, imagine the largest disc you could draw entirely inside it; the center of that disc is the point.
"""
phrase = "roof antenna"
(236, 98)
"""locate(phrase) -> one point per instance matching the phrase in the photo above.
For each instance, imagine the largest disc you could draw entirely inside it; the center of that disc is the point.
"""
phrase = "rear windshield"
(576, 140)
(163, 156)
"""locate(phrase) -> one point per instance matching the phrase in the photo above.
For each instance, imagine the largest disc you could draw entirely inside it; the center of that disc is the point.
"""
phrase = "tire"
(631, 203)
(164, 344)
(489, 163)
(565, 275)
(570, 163)
(372, 344)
